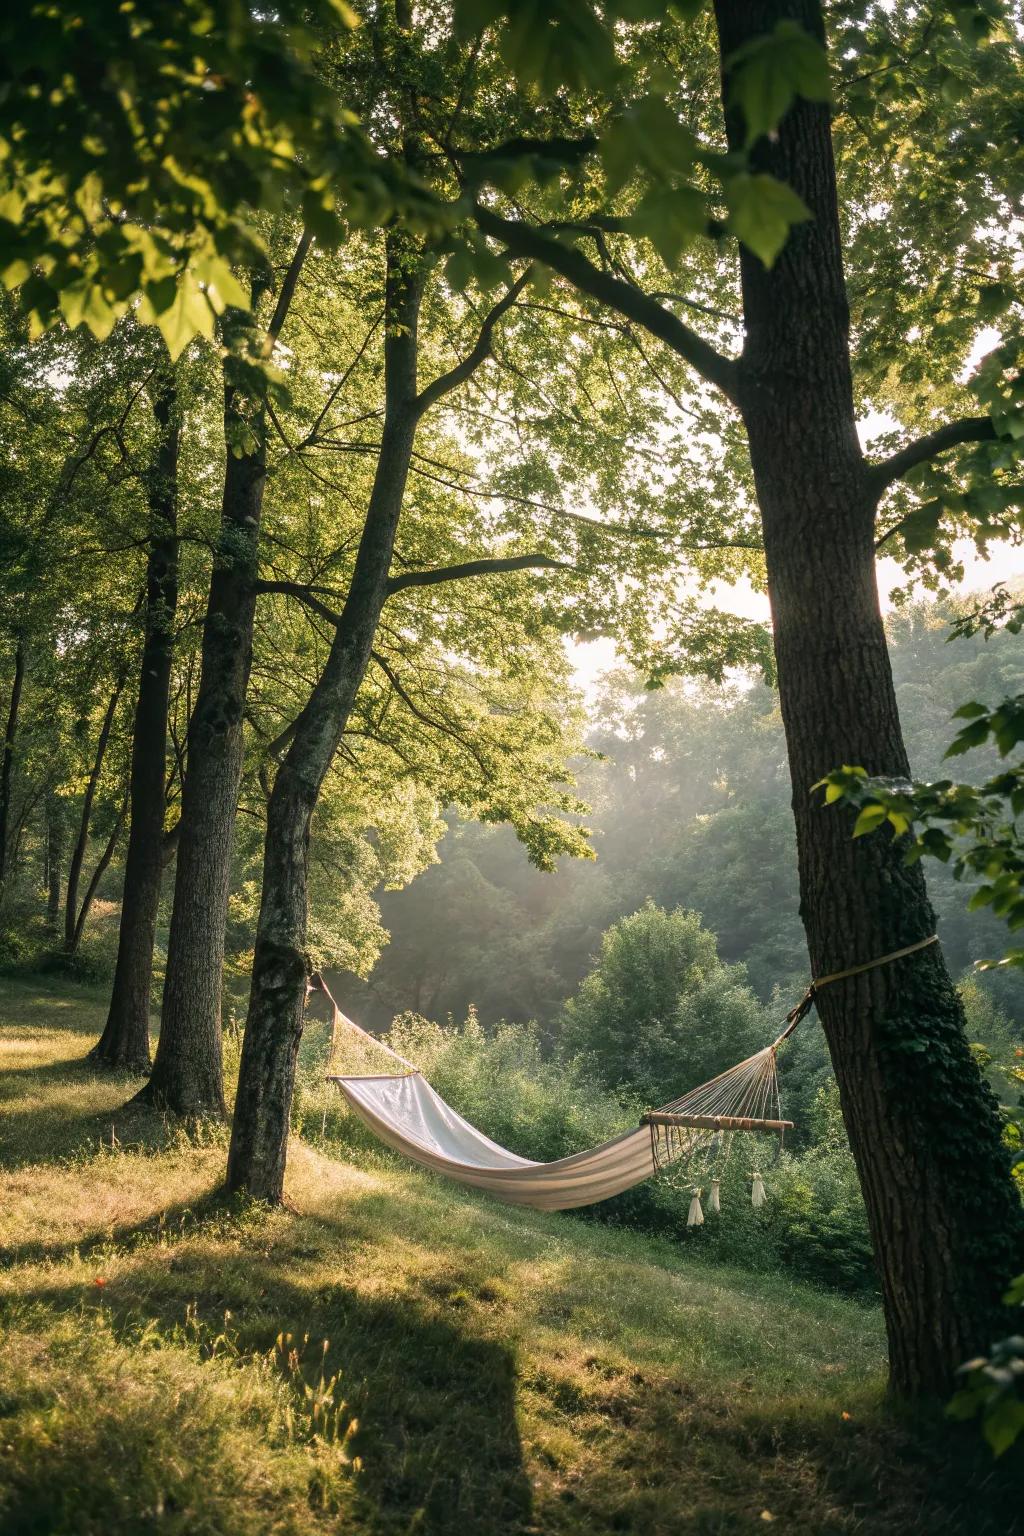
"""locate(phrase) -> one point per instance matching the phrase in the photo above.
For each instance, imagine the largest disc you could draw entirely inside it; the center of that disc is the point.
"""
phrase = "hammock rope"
(698, 1128)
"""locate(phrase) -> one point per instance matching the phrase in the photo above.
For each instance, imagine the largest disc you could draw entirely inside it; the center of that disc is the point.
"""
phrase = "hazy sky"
(593, 657)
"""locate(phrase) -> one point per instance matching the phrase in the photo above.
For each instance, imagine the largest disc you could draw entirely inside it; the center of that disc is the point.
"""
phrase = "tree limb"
(470, 568)
(291, 278)
(303, 595)
(446, 382)
(970, 429)
(619, 295)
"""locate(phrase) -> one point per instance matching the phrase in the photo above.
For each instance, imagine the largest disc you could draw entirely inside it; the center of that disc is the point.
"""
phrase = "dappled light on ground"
(486, 1369)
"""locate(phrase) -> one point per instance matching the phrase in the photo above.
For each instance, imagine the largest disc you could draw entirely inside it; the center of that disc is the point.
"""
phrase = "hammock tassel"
(696, 1216)
(714, 1202)
(757, 1192)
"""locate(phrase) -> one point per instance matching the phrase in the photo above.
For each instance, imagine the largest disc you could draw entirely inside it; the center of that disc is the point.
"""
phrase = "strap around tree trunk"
(806, 1002)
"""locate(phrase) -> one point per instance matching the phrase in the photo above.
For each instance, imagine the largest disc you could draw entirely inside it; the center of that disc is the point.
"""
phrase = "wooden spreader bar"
(716, 1122)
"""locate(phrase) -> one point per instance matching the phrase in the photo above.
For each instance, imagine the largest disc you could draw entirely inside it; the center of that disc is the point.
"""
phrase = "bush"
(659, 1011)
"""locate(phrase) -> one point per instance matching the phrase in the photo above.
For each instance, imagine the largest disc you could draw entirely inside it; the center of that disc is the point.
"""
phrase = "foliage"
(659, 1011)
(975, 828)
(138, 146)
(993, 1389)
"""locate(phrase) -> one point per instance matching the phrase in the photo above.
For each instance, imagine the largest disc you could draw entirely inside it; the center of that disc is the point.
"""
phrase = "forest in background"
(427, 422)
(690, 805)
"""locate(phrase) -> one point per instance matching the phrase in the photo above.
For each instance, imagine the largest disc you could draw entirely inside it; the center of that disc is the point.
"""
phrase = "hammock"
(405, 1112)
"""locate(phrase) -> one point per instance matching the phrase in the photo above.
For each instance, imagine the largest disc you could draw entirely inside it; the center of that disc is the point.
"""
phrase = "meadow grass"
(391, 1354)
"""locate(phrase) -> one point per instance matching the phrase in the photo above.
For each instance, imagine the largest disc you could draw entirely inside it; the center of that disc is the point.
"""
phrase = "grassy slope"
(507, 1371)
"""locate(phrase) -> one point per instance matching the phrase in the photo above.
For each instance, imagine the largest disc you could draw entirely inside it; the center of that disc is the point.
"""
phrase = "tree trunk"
(54, 859)
(187, 1075)
(72, 927)
(102, 864)
(270, 1046)
(187, 1072)
(923, 1126)
(124, 1043)
(7, 760)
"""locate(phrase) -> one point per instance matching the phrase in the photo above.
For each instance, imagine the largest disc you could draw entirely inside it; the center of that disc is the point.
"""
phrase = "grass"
(163, 1364)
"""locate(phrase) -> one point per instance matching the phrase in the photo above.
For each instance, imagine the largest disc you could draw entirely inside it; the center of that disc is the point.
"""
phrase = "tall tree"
(7, 758)
(259, 1137)
(75, 912)
(187, 1072)
(124, 1042)
(944, 1218)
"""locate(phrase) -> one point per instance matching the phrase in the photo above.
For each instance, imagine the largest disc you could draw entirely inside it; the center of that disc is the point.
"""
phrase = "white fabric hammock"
(405, 1112)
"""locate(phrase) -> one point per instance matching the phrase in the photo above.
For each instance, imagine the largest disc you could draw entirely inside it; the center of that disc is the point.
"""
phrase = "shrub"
(660, 1011)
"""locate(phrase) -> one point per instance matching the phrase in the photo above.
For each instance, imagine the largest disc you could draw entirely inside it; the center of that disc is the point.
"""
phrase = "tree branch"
(444, 726)
(971, 429)
(303, 595)
(287, 293)
(476, 568)
(446, 382)
(619, 295)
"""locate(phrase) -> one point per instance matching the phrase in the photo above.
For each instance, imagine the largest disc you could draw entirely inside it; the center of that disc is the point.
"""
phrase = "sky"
(591, 658)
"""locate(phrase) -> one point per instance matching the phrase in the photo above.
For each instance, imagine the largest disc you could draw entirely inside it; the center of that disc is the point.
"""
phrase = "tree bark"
(259, 1137)
(72, 926)
(187, 1072)
(7, 760)
(124, 1043)
(187, 1075)
(945, 1222)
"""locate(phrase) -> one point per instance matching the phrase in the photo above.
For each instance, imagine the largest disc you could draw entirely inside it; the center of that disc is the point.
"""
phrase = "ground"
(392, 1355)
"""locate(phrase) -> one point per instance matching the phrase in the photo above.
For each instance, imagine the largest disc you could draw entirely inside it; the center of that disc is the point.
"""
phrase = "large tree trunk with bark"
(923, 1126)
(74, 919)
(273, 1030)
(7, 759)
(187, 1072)
(124, 1044)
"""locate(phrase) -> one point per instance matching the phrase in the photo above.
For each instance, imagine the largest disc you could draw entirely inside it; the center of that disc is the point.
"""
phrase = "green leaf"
(768, 73)
(671, 220)
(762, 211)
(190, 315)
(1003, 1423)
(869, 820)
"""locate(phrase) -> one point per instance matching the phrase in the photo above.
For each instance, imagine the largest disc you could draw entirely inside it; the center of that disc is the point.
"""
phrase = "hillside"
(164, 1365)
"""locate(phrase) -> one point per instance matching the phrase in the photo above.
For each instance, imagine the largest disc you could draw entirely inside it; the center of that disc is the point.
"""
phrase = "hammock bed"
(406, 1113)
(696, 1130)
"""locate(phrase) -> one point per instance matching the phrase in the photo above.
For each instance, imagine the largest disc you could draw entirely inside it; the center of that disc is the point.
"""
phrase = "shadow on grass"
(435, 1402)
(60, 1118)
